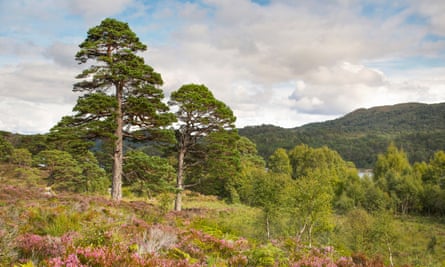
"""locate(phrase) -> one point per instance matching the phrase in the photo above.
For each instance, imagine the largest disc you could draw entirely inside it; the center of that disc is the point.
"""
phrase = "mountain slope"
(411, 117)
(360, 135)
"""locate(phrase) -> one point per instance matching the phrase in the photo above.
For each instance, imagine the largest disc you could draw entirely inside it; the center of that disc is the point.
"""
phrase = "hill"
(419, 129)
(362, 134)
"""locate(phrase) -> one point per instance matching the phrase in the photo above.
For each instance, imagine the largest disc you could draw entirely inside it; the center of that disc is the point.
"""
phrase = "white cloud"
(98, 9)
(432, 11)
(339, 89)
(23, 116)
(345, 73)
(246, 54)
(12, 47)
(38, 82)
(62, 54)
(345, 87)
(286, 63)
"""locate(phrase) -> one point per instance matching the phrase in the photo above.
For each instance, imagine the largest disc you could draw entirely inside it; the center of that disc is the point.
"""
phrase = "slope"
(360, 135)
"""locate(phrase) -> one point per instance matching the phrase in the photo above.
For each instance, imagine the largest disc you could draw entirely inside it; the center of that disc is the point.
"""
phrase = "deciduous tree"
(310, 200)
(435, 173)
(251, 164)
(394, 175)
(279, 162)
(358, 230)
(268, 194)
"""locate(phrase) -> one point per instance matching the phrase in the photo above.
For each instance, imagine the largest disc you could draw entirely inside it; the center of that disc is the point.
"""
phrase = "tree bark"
(300, 234)
(310, 235)
(116, 188)
(388, 245)
(180, 179)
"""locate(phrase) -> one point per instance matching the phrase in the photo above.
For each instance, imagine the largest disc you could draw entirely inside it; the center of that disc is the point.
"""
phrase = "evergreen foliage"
(214, 165)
(6, 149)
(65, 172)
(122, 95)
(21, 157)
(148, 175)
(199, 113)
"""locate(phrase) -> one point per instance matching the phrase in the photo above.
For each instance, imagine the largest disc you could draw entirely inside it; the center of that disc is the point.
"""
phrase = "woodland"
(132, 180)
(362, 134)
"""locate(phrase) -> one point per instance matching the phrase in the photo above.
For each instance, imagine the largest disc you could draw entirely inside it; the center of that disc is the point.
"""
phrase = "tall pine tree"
(199, 113)
(122, 93)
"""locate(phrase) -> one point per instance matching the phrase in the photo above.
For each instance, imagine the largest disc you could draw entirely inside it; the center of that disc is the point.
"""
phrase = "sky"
(280, 62)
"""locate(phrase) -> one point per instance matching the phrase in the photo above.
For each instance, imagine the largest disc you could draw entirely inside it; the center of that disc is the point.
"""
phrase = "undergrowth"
(91, 230)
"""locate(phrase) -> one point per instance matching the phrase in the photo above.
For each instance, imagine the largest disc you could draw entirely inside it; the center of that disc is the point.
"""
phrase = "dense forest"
(132, 180)
(362, 134)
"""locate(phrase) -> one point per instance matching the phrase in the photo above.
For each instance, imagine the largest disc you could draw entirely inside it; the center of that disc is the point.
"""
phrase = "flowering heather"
(70, 261)
(322, 257)
(106, 257)
(314, 261)
(36, 246)
(200, 245)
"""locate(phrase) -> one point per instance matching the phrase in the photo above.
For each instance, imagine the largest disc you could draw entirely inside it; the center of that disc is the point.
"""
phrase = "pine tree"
(122, 95)
(199, 114)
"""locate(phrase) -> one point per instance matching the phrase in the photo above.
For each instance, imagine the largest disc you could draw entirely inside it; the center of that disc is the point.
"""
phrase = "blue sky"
(281, 62)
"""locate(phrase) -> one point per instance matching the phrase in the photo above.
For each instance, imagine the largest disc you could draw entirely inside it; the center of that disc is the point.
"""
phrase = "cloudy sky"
(281, 62)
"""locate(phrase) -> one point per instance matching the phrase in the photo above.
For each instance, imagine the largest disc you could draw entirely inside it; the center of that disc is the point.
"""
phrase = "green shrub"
(165, 203)
(267, 255)
(21, 157)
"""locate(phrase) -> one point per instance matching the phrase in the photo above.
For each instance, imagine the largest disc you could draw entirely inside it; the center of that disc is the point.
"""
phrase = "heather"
(67, 229)
(82, 230)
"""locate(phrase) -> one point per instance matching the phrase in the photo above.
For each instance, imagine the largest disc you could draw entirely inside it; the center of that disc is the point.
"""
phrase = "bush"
(6, 149)
(21, 157)
(267, 255)
(36, 247)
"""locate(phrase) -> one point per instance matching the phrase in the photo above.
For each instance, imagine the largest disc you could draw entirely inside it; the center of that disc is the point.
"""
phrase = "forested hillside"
(362, 134)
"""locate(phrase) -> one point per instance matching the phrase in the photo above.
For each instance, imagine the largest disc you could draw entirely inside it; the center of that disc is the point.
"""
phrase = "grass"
(421, 241)
(101, 223)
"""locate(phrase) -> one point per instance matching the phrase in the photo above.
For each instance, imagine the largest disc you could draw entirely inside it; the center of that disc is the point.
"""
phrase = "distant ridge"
(419, 129)
(406, 116)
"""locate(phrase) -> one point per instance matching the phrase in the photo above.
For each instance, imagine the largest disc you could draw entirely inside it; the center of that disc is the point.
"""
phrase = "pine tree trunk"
(116, 188)
(180, 179)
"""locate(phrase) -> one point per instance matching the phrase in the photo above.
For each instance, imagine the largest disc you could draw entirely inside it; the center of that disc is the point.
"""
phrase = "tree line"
(360, 135)
(300, 192)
